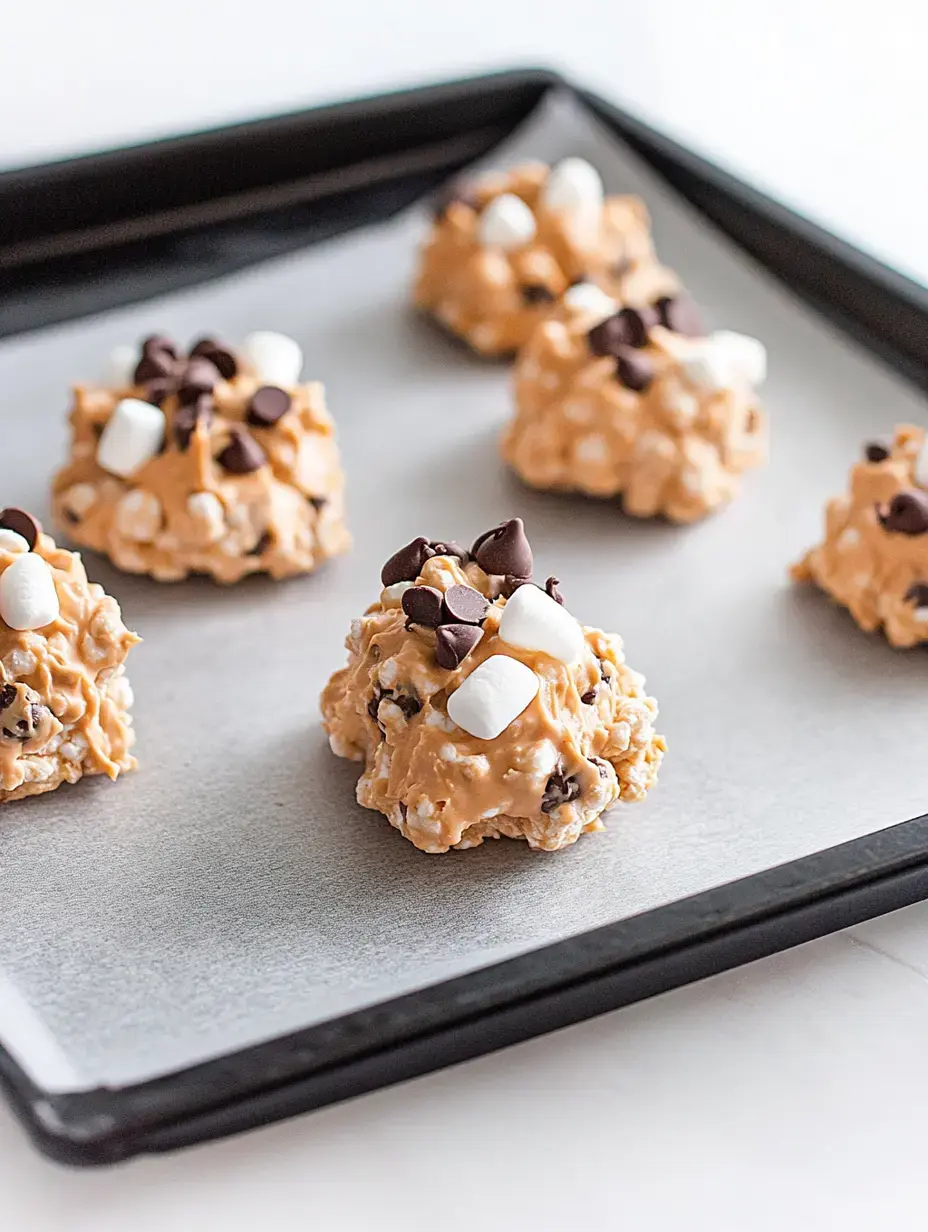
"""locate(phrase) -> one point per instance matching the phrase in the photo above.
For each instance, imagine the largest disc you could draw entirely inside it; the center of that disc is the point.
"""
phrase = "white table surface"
(788, 1094)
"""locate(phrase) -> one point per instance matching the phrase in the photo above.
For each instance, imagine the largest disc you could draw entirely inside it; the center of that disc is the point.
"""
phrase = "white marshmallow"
(492, 696)
(10, 541)
(28, 599)
(574, 184)
(276, 358)
(132, 436)
(532, 620)
(921, 466)
(506, 223)
(587, 297)
(394, 594)
(747, 355)
(708, 367)
(121, 363)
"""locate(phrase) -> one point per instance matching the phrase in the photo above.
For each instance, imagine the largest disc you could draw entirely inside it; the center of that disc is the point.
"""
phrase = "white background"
(787, 1095)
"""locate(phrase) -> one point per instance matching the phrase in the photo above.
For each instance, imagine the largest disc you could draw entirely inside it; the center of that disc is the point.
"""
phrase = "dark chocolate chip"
(552, 590)
(876, 451)
(559, 790)
(409, 705)
(505, 549)
(511, 584)
(186, 418)
(374, 704)
(454, 643)
(159, 342)
(442, 547)
(199, 377)
(218, 354)
(462, 605)
(908, 513)
(918, 594)
(262, 545)
(404, 565)
(242, 455)
(589, 697)
(679, 313)
(23, 523)
(601, 766)
(627, 328)
(634, 371)
(7, 696)
(268, 404)
(422, 605)
(536, 293)
(159, 389)
(318, 502)
(154, 366)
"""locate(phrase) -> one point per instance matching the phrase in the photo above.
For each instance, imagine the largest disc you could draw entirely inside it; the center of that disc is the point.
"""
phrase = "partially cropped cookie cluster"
(531, 731)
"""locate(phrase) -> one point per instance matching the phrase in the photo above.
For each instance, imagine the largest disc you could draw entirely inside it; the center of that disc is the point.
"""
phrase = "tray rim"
(595, 971)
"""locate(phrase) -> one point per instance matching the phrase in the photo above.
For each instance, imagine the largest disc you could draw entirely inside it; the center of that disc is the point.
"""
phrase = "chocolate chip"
(268, 404)
(679, 313)
(218, 354)
(559, 790)
(159, 389)
(318, 502)
(908, 514)
(535, 293)
(7, 696)
(505, 549)
(601, 766)
(409, 705)
(462, 605)
(422, 605)
(454, 643)
(262, 545)
(448, 547)
(374, 705)
(186, 418)
(242, 455)
(876, 451)
(510, 585)
(627, 328)
(918, 594)
(199, 377)
(552, 590)
(589, 697)
(22, 523)
(405, 565)
(634, 371)
(154, 366)
(159, 342)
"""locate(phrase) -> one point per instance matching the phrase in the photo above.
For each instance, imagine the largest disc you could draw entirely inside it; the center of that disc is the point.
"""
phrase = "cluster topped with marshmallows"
(638, 402)
(64, 696)
(482, 708)
(217, 460)
(506, 246)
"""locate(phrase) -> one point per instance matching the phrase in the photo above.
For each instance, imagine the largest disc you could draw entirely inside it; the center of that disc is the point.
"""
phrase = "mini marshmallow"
(506, 223)
(133, 435)
(574, 184)
(532, 620)
(495, 693)
(708, 367)
(28, 599)
(921, 466)
(119, 370)
(10, 541)
(747, 355)
(588, 297)
(276, 358)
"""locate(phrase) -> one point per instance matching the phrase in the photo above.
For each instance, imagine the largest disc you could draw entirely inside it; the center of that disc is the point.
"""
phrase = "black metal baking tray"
(111, 229)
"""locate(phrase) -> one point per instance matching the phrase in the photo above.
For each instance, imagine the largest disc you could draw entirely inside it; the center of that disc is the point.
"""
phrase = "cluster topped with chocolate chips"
(505, 247)
(874, 556)
(638, 402)
(481, 707)
(214, 460)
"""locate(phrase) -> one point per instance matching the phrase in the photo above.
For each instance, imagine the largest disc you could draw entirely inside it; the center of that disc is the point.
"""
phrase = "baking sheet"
(232, 890)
